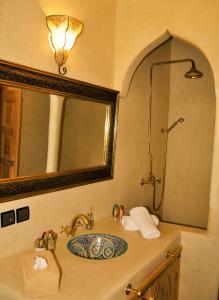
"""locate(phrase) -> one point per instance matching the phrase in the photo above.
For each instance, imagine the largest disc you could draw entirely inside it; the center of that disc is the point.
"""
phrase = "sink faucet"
(78, 220)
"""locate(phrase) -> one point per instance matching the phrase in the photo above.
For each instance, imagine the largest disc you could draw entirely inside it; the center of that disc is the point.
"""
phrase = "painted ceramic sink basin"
(97, 246)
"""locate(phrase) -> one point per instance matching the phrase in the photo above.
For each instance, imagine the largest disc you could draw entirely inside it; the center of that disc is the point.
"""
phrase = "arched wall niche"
(213, 220)
(137, 60)
(131, 69)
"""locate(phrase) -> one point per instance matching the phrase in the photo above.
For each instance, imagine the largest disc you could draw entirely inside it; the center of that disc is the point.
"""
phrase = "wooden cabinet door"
(11, 99)
(163, 282)
(166, 285)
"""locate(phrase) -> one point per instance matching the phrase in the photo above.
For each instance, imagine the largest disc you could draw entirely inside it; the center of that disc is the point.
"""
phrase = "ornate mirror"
(55, 132)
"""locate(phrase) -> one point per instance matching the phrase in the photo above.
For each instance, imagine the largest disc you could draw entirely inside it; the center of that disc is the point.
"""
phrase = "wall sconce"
(63, 31)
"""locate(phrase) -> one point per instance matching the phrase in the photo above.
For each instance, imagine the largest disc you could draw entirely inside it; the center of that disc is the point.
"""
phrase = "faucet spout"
(79, 220)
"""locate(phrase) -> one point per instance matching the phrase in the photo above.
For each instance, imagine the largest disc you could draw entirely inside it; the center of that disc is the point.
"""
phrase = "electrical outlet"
(23, 214)
(7, 218)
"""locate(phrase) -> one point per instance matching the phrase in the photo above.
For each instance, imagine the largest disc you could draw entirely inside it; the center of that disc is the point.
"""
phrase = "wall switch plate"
(23, 214)
(7, 218)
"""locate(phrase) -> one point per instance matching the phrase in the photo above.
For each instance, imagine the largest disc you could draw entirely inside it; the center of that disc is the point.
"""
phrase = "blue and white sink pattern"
(97, 246)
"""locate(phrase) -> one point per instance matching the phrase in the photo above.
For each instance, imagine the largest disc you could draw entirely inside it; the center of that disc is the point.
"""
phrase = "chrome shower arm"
(167, 62)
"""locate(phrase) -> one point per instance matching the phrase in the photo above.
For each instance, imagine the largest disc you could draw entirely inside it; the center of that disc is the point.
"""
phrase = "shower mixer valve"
(150, 180)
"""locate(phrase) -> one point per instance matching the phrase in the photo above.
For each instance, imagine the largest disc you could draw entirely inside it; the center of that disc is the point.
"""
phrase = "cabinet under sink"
(162, 283)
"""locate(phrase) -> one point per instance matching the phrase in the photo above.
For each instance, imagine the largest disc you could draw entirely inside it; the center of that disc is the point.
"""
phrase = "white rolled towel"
(129, 224)
(144, 222)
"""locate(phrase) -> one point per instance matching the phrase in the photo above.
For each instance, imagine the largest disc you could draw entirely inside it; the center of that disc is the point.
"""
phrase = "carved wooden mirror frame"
(24, 77)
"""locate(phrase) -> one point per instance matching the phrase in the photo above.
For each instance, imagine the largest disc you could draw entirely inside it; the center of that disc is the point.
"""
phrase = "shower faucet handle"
(150, 180)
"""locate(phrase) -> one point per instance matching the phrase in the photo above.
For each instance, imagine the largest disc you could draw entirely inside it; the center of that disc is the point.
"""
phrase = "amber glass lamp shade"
(63, 31)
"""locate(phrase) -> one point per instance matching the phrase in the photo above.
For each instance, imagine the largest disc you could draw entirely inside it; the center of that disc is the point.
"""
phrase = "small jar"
(90, 216)
(40, 244)
(115, 211)
(51, 240)
(121, 211)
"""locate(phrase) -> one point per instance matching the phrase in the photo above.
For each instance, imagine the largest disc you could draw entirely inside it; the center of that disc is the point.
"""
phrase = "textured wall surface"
(195, 22)
(91, 60)
(99, 58)
(190, 144)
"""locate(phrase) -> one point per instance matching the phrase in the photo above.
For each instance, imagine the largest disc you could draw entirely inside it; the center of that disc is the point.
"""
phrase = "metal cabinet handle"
(7, 162)
(139, 293)
(169, 254)
(129, 290)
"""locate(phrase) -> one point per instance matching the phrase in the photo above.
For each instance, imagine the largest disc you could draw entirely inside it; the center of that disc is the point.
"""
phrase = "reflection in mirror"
(83, 135)
(42, 133)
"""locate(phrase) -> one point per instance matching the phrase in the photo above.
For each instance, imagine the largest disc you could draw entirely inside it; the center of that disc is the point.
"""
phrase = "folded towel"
(144, 222)
(129, 224)
(155, 219)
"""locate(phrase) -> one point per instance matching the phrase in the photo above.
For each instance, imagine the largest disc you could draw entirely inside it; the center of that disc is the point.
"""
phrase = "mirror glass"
(55, 132)
(43, 133)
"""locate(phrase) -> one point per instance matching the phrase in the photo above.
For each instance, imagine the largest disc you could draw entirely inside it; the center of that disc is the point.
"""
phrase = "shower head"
(193, 73)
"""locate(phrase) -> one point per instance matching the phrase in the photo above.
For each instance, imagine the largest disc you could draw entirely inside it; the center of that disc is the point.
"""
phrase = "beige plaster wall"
(26, 41)
(199, 267)
(196, 22)
(187, 189)
(24, 36)
(91, 60)
(138, 25)
(147, 24)
(136, 104)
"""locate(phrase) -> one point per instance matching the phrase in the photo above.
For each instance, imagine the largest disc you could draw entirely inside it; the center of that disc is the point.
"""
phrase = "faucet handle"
(65, 229)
